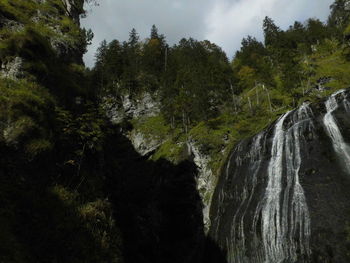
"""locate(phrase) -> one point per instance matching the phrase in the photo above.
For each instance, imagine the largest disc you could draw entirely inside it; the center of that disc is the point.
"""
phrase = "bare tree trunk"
(173, 122)
(250, 104)
(233, 98)
(184, 121)
(79, 166)
(268, 97)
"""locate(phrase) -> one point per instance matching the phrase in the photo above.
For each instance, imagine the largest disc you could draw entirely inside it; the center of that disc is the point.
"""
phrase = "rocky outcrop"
(143, 144)
(126, 107)
(283, 195)
(205, 181)
(74, 8)
(12, 69)
(66, 47)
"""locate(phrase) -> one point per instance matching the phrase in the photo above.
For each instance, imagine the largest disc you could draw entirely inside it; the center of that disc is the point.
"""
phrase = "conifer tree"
(271, 32)
(154, 32)
(133, 38)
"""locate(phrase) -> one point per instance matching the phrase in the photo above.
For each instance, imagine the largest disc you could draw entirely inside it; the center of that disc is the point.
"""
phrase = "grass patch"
(154, 127)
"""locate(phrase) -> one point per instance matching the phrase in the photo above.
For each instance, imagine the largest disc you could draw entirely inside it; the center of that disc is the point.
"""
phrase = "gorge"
(283, 193)
(172, 153)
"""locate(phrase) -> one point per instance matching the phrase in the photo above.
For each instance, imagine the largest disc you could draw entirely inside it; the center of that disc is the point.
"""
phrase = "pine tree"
(271, 32)
(340, 13)
(100, 64)
(133, 38)
(154, 32)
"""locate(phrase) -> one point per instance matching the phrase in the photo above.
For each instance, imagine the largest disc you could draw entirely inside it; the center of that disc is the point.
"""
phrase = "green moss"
(156, 128)
(38, 146)
(25, 110)
(255, 114)
(174, 151)
(153, 127)
(67, 197)
(28, 44)
(50, 24)
(19, 10)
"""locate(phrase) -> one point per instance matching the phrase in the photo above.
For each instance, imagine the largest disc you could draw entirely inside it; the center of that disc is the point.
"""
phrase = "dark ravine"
(283, 194)
(73, 188)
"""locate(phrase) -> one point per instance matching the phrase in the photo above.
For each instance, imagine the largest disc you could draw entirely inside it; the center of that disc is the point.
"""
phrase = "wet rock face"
(283, 195)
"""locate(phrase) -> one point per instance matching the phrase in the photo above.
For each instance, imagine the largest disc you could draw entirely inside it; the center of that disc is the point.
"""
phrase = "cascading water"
(285, 210)
(333, 130)
(271, 218)
(298, 213)
(269, 224)
(254, 159)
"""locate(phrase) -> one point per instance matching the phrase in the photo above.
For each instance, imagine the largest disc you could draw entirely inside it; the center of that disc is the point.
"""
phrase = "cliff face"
(72, 188)
(145, 143)
(31, 27)
(74, 8)
(283, 194)
(42, 218)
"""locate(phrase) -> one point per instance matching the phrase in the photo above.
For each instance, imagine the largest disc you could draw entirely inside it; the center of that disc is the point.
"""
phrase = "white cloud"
(224, 22)
(230, 21)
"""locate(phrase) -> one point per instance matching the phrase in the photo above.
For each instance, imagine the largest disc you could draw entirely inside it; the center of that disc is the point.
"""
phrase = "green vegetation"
(155, 126)
(217, 102)
(71, 188)
(49, 211)
(50, 45)
(25, 113)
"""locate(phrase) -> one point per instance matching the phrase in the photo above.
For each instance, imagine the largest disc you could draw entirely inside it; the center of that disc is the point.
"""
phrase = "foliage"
(25, 111)
(72, 188)
(191, 78)
(48, 42)
(155, 126)
(217, 102)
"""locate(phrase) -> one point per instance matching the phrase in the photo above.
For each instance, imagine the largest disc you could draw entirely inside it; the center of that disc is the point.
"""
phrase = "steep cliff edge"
(72, 188)
(137, 185)
(152, 137)
(44, 215)
(31, 30)
(283, 194)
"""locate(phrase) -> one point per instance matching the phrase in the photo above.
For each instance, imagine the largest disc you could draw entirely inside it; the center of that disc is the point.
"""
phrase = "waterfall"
(271, 213)
(254, 157)
(285, 215)
(333, 130)
(270, 224)
(260, 211)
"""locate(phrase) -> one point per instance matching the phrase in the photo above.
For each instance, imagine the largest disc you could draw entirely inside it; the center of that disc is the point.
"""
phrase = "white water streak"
(333, 130)
(271, 213)
(282, 211)
(236, 252)
(285, 215)
(298, 213)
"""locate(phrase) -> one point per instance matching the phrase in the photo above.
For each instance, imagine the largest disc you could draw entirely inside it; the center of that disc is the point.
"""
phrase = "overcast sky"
(224, 22)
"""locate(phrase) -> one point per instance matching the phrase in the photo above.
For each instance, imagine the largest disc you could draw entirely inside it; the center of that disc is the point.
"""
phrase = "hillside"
(70, 184)
(125, 162)
(191, 101)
